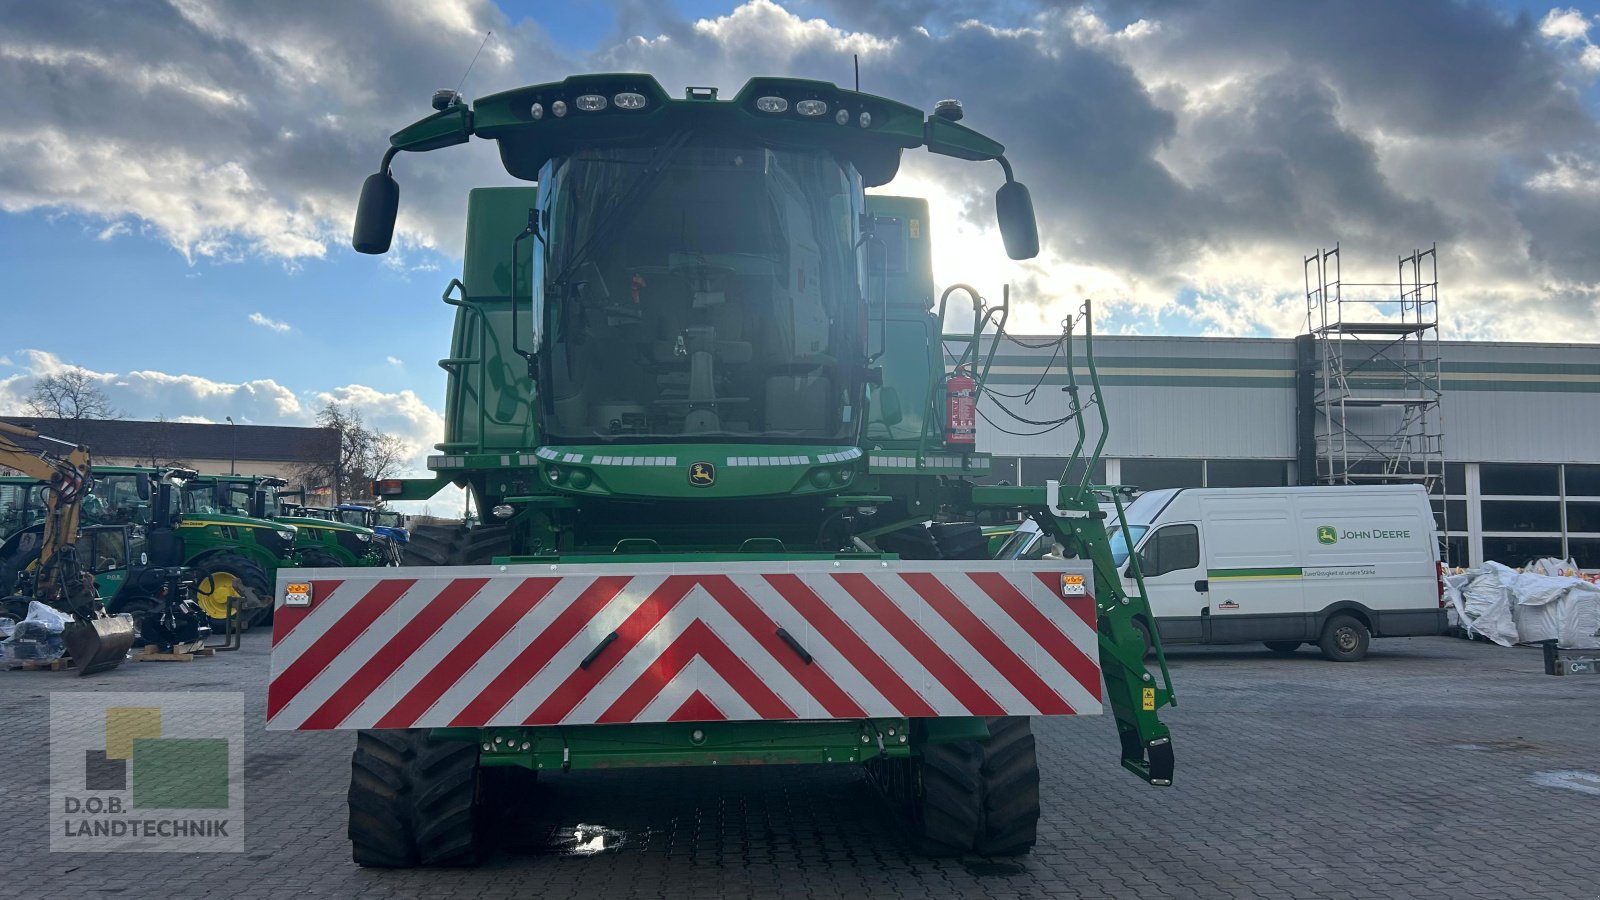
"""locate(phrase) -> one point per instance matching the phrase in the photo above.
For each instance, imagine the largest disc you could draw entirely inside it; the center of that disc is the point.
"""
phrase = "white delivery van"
(1333, 566)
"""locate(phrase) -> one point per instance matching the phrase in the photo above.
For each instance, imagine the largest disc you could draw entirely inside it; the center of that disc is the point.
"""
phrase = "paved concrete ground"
(1412, 774)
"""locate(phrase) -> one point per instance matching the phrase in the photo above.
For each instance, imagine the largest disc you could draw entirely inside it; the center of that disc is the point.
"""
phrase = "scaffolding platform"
(1371, 376)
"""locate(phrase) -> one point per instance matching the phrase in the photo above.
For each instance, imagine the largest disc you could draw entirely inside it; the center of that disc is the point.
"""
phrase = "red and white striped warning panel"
(647, 642)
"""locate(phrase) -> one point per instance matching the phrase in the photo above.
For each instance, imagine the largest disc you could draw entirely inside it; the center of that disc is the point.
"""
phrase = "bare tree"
(364, 455)
(70, 394)
(383, 457)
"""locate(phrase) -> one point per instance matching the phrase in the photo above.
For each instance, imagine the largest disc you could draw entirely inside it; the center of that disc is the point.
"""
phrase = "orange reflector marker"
(388, 487)
(1073, 586)
(297, 594)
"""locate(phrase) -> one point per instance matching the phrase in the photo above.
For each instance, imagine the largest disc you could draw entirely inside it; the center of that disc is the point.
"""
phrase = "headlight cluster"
(810, 108)
(628, 100)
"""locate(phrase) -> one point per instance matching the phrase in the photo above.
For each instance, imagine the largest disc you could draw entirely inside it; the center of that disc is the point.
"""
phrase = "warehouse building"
(1518, 447)
(287, 452)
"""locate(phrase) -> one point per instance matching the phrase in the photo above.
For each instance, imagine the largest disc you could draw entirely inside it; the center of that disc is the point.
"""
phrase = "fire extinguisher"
(960, 409)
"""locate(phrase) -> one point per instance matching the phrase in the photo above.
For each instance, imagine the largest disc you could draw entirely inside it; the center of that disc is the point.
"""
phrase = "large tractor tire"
(318, 558)
(960, 540)
(414, 801)
(223, 575)
(432, 545)
(969, 797)
(457, 546)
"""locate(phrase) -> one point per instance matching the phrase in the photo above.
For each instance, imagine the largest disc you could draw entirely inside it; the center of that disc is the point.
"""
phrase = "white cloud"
(180, 397)
(270, 324)
(1564, 25)
(1199, 151)
(395, 361)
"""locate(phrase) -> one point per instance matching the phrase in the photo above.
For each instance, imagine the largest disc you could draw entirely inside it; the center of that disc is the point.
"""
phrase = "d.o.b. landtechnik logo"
(155, 772)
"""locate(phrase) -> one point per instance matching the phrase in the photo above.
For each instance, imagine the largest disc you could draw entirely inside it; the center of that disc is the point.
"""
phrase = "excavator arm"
(95, 640)
(68, 479)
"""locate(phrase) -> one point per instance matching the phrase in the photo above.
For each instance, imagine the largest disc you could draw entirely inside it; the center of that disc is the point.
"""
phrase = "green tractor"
(235, 556)
(320, 542)
(698, 393)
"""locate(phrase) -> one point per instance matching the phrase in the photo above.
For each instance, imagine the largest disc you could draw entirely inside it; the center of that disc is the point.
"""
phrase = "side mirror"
(380, 201)
(889, 411)
(1013, 208)
(143, 481)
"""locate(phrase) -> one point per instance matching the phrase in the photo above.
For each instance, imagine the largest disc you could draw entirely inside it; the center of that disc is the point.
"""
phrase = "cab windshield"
(236, 499)
(21, 504)
(353, 516)
(391, 520)
(198, 497)
(117, 499)
(702, 292)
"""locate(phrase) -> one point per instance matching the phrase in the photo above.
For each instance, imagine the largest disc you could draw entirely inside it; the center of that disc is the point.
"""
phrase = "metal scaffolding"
(1375, 374)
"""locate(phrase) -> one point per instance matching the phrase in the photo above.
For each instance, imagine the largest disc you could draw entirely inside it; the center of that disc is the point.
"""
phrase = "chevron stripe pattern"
(643, 642)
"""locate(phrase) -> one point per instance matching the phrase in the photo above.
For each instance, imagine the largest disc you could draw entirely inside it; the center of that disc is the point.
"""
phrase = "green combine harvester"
(701, 393)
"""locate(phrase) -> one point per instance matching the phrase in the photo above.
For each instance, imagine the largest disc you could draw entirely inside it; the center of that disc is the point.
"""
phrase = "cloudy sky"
(177, 177)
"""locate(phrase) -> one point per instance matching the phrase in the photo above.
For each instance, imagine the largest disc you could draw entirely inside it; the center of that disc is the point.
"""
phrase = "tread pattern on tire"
(413, 801)
(380, 824)
(433, 545)
(318, 558)
(1010, 773)
(970, 797)
(948, 819)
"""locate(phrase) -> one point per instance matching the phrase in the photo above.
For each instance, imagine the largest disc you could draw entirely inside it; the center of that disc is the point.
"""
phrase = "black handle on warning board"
(794, 645)
(599, 648)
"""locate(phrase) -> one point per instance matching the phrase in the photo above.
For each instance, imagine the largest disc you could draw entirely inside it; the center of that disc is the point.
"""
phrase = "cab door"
(1174, 580)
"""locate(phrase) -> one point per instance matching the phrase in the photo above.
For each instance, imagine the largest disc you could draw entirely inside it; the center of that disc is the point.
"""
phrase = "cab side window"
(1171, 549)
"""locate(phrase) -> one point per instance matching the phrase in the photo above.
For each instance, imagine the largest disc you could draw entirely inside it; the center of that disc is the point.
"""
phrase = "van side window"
(1171, 549)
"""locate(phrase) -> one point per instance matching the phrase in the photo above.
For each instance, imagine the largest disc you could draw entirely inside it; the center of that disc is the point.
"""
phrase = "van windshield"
(1019, 542)
(1119, 541)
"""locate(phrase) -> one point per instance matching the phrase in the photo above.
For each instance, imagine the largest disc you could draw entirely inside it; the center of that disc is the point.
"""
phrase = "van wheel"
(1283, 646)
(1144, 635)
(1344, 639)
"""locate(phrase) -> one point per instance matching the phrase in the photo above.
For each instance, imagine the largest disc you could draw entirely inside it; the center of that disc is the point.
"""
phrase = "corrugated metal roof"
(187, 440)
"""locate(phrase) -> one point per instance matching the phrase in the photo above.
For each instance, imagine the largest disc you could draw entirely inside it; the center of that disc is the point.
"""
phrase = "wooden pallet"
(30, 665)
(180, 653)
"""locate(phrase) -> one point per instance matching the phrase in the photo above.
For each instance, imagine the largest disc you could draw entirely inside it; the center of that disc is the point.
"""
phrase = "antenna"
(463, 82)
(856, 57)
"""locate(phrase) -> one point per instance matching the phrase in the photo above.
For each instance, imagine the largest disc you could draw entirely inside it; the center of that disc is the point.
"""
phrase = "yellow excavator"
(96, 641)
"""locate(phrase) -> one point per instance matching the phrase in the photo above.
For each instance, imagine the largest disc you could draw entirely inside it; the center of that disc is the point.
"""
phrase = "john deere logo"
(1327, 535)
(702, 474)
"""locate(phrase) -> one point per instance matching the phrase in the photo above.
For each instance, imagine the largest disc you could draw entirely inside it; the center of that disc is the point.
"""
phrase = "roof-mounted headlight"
(812, 107)
(590, 102)
(771, 104)
(629, 100)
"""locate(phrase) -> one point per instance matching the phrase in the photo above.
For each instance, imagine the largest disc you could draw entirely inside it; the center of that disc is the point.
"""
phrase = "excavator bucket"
(99, 643)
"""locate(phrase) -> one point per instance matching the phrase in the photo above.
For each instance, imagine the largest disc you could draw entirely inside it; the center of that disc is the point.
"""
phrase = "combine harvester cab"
(697, 391)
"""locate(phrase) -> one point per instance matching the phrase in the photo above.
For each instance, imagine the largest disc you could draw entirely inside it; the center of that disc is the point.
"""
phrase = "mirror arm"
(1001, 159)
(389, 154)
